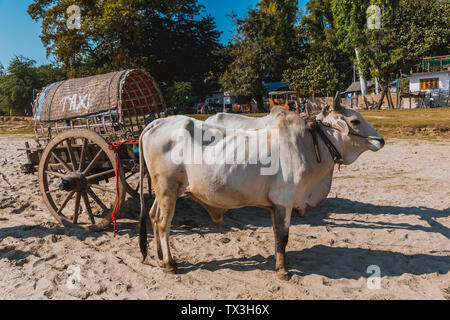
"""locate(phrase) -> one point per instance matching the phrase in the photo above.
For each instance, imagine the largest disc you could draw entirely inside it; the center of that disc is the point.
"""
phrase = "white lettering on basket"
(76, 102)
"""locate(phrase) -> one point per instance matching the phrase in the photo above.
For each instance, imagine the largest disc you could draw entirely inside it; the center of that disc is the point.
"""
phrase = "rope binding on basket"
(116, 146)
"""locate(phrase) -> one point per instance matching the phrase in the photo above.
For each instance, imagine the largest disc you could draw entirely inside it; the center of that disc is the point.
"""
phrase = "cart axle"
(74, 182)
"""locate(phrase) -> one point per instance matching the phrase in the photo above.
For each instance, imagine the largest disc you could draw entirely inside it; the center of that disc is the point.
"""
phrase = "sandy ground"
(389, 209)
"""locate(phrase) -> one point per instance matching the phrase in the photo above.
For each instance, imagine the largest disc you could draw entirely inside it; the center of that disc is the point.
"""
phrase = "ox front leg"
(282, 221)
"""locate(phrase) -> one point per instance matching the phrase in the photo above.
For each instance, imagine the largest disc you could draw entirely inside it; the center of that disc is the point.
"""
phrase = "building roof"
(356, 86)
(428, 73)
(282, 92)
(275, 86)
(438, 63)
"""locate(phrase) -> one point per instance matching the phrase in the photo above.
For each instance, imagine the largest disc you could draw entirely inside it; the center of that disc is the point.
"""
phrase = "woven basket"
(126, 93)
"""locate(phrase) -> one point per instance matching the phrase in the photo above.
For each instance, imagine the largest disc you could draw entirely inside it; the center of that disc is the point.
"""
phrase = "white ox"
(220, 187)
(237, 121)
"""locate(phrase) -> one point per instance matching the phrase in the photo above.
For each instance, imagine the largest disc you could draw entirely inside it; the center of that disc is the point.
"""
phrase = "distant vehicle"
(238, 108)
(286, 99)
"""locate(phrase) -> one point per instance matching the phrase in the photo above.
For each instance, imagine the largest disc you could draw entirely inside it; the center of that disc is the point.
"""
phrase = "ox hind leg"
(281, 218)
(272, 213)
(154, 213)
(166, 196)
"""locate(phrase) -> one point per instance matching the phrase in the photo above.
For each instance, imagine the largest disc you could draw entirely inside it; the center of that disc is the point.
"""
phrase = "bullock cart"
(86, 144)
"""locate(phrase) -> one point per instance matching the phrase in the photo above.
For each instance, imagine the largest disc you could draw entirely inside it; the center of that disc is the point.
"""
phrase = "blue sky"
(220, 10)
(19, 34)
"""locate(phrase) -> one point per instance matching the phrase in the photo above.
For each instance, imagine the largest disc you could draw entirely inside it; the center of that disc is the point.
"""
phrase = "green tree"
(22, 80)
(178, 93)
(245, 76)
(316, 75)
(318, 21)
(410, 30)
(212, 80)
(264, 40)
(171, 39)
(324, 68)
(16, 87)
(49, 74)
(414, 30)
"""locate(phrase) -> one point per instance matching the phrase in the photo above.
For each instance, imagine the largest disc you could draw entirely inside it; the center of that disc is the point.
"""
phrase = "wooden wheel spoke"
(52, 190)
(100, 174)
(73, 160)
(77, 208)
(97, 199)
(82, 154)
(130, 175)
(137, 188)
(65, 201)
(56, 174)
(96, 186)
(65, 165)
(93, 162)
(88, 207)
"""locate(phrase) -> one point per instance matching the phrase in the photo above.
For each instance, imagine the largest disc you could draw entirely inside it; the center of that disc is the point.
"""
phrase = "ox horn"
(297, 107)
(325, 108)
(308, 112)
(337, 102)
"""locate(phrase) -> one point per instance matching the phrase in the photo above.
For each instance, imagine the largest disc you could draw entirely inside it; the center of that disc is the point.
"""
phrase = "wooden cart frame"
(76, 123)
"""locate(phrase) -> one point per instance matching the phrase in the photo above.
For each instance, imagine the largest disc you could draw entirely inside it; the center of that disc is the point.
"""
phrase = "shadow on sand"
(190, 218)
(334, 263)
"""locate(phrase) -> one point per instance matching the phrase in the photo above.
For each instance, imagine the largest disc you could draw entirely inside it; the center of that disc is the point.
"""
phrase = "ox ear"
(340, 125)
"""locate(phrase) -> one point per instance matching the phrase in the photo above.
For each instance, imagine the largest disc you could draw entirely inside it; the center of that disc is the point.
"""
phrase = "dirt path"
(389, 209)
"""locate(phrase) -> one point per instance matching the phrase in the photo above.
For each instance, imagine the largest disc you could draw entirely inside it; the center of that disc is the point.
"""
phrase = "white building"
(430, 82)
(433, 86)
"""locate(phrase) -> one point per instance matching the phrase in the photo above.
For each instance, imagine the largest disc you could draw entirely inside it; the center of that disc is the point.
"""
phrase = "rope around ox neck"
(313, 126)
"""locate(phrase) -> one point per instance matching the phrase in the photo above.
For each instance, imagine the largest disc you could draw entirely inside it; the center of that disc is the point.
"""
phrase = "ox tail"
(143, 214)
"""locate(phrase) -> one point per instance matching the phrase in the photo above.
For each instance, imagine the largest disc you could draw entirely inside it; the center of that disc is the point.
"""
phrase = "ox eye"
(355, 122)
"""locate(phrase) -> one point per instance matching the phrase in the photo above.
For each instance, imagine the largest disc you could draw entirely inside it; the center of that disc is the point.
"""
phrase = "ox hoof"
(171, 268)
(283, 275)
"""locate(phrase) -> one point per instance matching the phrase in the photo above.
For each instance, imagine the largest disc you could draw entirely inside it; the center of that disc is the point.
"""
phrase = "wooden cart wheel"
(131, 183)
(77, 179)
(130, 174)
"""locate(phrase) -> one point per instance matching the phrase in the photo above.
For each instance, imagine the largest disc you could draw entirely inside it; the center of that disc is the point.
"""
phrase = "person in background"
(199, 108)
